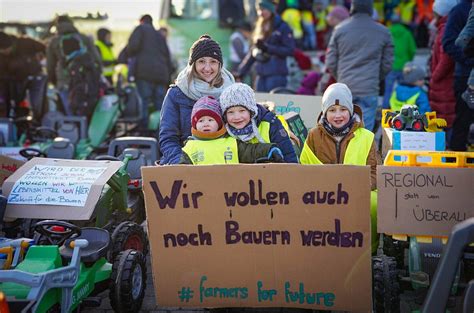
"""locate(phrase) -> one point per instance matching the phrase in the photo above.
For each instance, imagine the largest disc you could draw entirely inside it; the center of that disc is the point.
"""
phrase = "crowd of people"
(364, 59)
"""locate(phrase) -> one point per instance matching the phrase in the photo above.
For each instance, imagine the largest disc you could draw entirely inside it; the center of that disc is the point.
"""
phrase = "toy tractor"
(409, 118)
(67, 274)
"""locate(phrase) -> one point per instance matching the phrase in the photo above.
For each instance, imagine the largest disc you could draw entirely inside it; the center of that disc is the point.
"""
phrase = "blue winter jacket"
(278, 134)
(457, 18)
(280, 44)
(405, 92)
(175, 127)
(175, 124)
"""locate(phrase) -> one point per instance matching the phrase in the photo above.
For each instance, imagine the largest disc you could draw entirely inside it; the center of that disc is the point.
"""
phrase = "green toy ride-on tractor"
(41, 283)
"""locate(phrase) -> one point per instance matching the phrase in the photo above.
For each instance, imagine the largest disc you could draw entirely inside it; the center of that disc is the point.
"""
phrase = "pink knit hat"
(339, 12)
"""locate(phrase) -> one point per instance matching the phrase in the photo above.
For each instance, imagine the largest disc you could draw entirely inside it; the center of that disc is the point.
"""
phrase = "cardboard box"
(245, 236)
(410, 140)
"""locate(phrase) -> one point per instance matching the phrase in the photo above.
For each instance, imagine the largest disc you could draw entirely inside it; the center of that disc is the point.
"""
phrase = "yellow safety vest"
(356, 153)
(396, 105)
(108, 56)
(216, 151)
(264, 130)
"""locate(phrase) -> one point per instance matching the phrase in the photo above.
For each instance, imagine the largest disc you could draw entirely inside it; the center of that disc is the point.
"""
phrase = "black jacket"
(153, 61)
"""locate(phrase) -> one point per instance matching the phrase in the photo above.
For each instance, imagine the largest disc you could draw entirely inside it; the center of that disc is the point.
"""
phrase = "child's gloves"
(275, 155)
(261, 45)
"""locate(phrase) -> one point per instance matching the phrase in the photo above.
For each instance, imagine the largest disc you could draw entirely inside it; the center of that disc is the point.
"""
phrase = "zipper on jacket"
(338, 144)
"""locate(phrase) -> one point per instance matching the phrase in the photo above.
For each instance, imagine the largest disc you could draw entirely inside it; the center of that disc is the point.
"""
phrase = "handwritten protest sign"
(55, 185)
(423, 201)
(308, 107)
(244, 236)
(59, 189)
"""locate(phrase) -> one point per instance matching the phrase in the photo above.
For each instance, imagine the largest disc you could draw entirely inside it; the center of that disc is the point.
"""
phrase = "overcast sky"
(44, 10)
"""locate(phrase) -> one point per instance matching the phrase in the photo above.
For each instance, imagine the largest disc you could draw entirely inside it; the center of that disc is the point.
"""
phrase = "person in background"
(334, 18)
(250, 122)
(203, 76)
(239, 45)
(404, 51)
(410, 90)
(273, 43)
(20, 66)
(104, 45)
(210, 144)
(441, 92)
(69, 42)
(457, 19)
(152, 64)
(360, 54)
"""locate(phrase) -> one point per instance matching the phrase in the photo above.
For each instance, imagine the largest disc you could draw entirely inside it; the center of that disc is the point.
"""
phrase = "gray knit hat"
(412, 73)
(337, 94)
(239, 94)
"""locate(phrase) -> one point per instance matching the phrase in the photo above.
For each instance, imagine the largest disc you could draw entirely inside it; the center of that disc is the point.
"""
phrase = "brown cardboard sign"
(10, 164)
(308, 107)
(57, 189)
(423, 201)
(275, 235)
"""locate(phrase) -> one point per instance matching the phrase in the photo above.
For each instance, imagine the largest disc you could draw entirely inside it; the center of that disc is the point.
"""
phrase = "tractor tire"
(417, 125)
(128, 282)
(386, 289)
(396, 249)
(398, 123)
(128, 235)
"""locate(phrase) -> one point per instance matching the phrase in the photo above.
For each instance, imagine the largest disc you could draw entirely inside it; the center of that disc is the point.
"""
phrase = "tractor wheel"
(386, 296)
(417, 125)
(396, 249)
(128, 282)
(128, 235)
(398, 123)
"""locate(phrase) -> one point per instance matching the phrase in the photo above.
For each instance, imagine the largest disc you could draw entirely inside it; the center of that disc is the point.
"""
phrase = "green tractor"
(67, 274)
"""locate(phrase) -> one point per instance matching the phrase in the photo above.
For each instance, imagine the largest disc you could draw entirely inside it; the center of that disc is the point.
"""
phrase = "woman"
(274, 42)
(204, 76)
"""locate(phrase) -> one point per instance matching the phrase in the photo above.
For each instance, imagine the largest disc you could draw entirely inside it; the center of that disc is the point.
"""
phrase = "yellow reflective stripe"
(396, 105)
(358, 148)
(208, 152)
(307, 156)
(106, 55)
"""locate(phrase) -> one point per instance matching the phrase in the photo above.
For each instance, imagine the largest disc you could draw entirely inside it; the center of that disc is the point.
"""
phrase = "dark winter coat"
(441, 92)
(457, 19)
(153, 61)
(280, 45)
(22, 61)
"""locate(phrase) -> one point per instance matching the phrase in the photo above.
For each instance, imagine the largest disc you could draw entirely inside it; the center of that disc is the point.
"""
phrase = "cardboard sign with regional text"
(275, 235)
(57, 189)
(423, 201)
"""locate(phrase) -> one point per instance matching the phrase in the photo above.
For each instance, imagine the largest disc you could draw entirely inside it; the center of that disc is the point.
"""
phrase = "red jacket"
(441, 92)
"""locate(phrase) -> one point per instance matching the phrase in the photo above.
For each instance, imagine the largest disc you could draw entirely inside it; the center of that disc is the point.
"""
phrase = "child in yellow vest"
(210, 144)
(340, 136)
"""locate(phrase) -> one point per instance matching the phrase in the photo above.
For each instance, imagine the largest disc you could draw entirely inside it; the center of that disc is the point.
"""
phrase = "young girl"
(210, 144)
(250, 122)
(204, 76)
(340, 136)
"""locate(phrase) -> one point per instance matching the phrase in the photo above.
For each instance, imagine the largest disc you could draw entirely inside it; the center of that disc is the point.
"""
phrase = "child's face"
(207, 124)
(207, 68)
(338, 116)
(237, 117)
